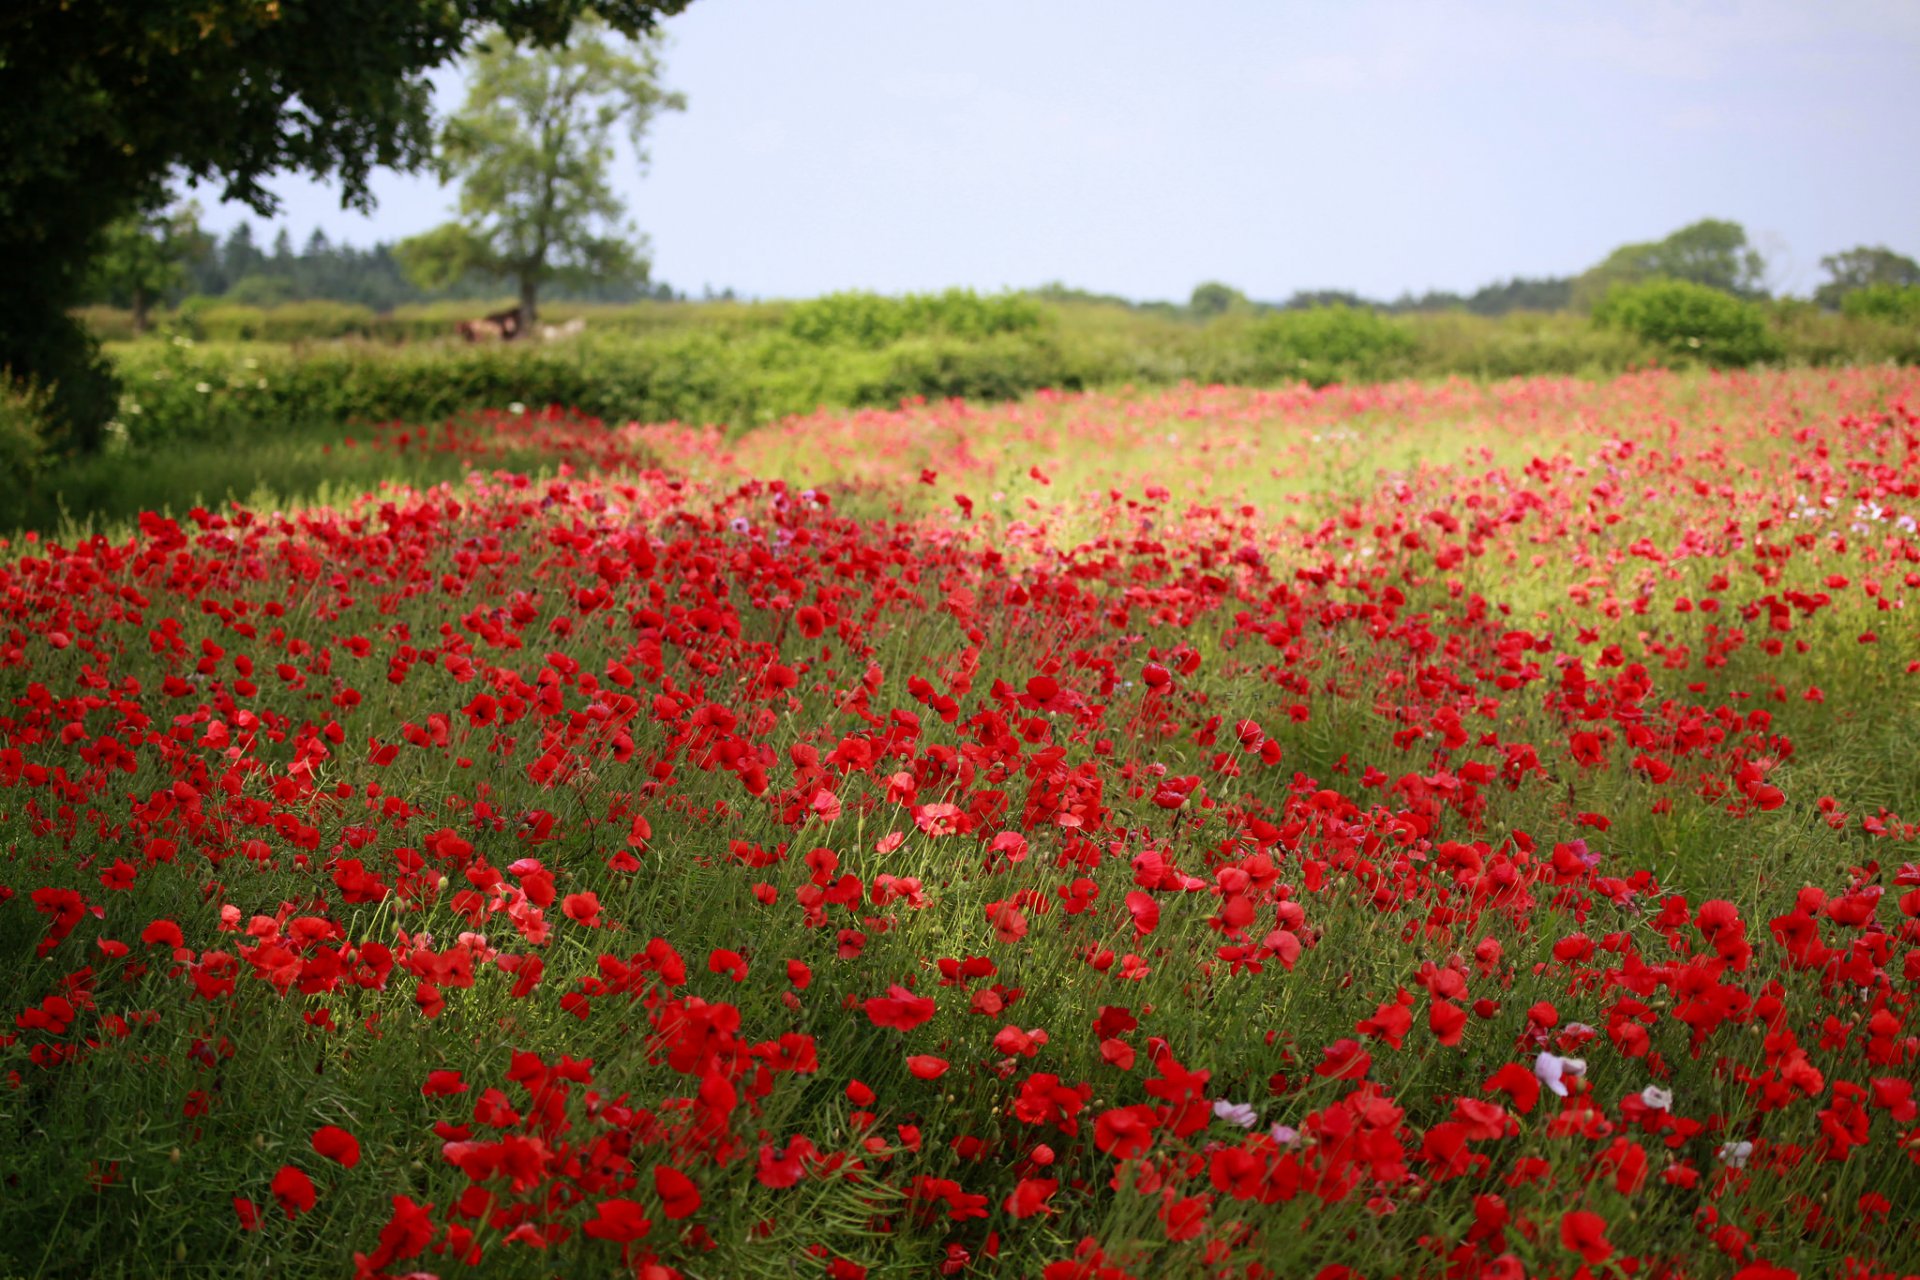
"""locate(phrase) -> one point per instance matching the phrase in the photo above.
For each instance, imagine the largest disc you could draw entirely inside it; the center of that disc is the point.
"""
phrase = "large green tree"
(533, 149)
(108, 100)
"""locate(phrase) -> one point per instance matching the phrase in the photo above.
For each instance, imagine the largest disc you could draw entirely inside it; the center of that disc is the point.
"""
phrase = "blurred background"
(1381, 147)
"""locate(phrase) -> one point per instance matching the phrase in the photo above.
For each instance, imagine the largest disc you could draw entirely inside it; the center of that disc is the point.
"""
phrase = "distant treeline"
(238, 270)
(1548, 293)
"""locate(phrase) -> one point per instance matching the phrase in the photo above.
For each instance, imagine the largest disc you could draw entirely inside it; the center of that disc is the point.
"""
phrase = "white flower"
(1552, 1069)
(1239, 1113)
(516, 407)
(1657, 1099)
(1735, 1154)
(1284, 1134)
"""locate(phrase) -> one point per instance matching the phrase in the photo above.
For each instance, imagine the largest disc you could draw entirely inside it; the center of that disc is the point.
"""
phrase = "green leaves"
(145, 256)
(1712, 252)
(108, 101)
(441, 257)
(1689, 321)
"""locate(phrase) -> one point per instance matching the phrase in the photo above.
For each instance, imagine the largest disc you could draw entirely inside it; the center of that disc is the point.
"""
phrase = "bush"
(1522, 344)
(745, 364)
(1329, 344)
(1687, 321)
(1898, 304)
(871, 321)
(183, 390)
(57, 354)
(287, 322)
(1002, 368)
(24, 418)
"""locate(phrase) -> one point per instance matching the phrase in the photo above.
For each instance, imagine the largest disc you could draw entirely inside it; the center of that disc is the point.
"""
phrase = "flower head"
(1239, 1113)
(1552, 1070)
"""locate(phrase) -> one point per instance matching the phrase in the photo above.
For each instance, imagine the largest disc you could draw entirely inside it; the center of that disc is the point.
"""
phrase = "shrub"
(287, 322)
(1899, 304)
(76, 384)
(1687, 321)
(1329, 344)
(24, 420)
(871, 321)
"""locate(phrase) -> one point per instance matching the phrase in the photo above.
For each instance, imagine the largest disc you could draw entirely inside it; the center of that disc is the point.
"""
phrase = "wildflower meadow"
(1449, 829)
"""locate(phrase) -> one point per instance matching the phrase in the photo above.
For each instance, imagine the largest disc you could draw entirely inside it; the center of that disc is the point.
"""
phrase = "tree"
(1863, 267)
(533, 148)
(1213, 299)
(145, 256)
(1309, 299)
(107, 100)
(1712, 252)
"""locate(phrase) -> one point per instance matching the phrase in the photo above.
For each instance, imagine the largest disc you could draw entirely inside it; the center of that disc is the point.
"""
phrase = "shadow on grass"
(289, 466)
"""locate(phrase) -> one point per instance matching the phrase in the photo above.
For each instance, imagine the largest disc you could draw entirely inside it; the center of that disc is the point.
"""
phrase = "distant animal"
(501, 326)
(571, 329)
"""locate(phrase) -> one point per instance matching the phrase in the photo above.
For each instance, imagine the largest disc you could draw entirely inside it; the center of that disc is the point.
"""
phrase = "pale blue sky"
(1135, 148)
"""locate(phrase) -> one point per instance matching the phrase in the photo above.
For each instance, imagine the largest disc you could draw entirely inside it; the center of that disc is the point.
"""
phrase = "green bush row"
(747, 372)
(215, 320)
(872, 321)
(181, 389)
(1897, 304)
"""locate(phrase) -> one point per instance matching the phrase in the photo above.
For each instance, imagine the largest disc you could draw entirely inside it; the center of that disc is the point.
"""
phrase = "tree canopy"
(106, 101)
(1212, 298)
(145, 255)
(533, 150)
(1864, 267)
(1712, 252)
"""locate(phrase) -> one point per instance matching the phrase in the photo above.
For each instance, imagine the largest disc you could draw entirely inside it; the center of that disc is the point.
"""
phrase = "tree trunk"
(529, 297)
(139, 310)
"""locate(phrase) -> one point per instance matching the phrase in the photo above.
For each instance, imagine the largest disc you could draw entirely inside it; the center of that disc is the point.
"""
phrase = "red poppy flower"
(900, 1009)
(336, 1144)
(1030, 1196)
(294, 1190)
(1585, 1233)
(621, 1221)
(679, 1197)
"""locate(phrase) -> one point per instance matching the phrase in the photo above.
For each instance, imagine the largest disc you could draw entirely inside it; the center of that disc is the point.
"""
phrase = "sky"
(1382, 146)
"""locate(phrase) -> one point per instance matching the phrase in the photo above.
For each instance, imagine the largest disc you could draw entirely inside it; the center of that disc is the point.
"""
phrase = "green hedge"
(25, 427)
(746, 364)
(1896, 304)
(872, 321)
(1688, 322)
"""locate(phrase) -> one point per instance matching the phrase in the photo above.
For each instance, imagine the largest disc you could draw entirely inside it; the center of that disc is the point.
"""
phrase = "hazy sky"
(1135, 148)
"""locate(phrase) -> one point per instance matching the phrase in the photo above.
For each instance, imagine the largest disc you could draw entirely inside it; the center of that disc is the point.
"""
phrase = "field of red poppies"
(1424, 830)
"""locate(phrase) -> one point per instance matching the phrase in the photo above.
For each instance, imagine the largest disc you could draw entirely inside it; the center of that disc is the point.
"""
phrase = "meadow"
(1452, 828)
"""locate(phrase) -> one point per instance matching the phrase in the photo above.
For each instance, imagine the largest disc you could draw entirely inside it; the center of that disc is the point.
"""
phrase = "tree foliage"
(107, 100)
(1891, 303)
(533, 148)
(1689, 321)
(1712, 252)
(145, 256)
(1212, 298)
(1864, 267)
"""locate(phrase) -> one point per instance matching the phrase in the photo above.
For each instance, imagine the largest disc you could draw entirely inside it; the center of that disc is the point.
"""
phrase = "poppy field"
(1427, 830)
